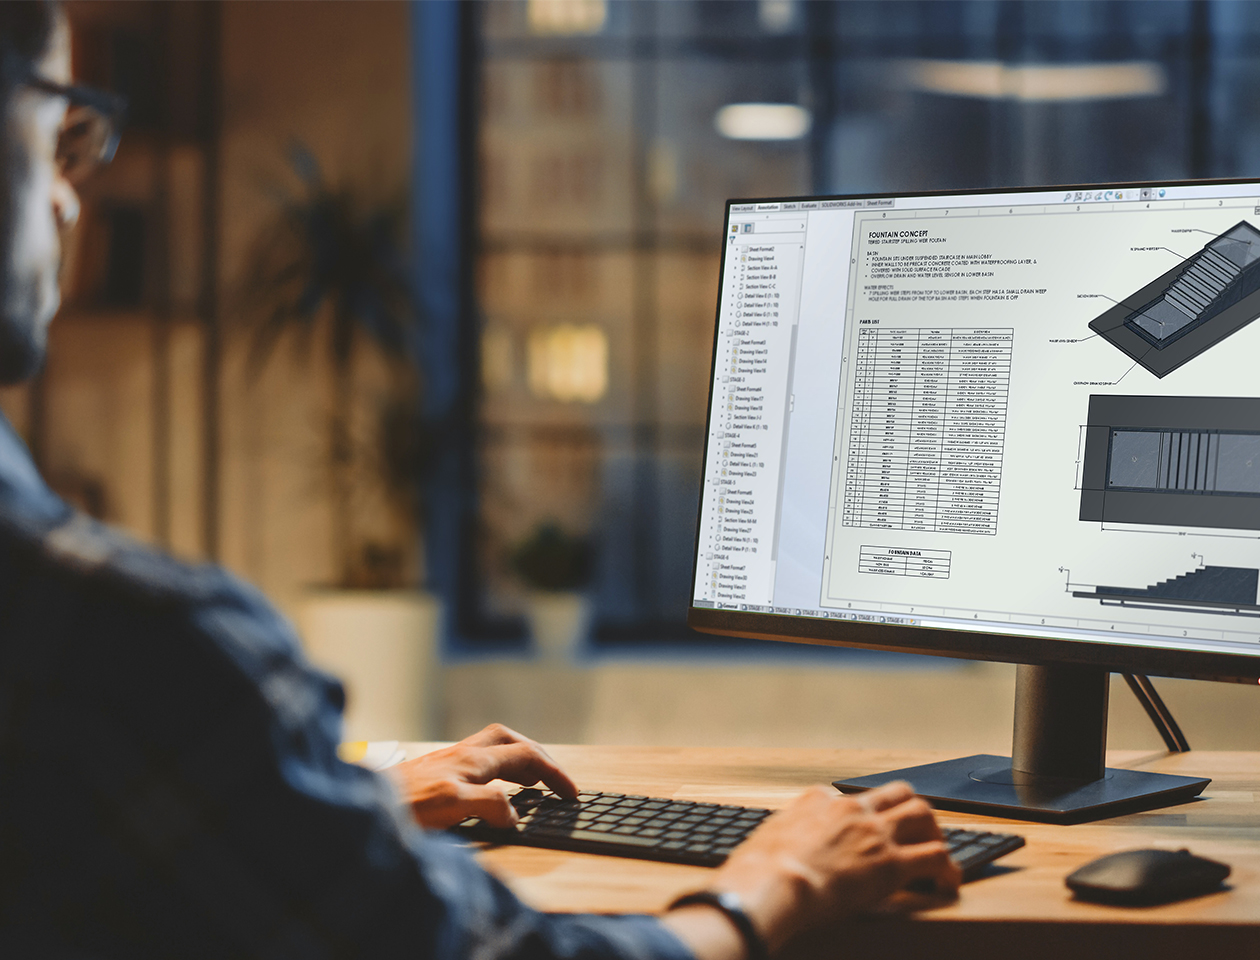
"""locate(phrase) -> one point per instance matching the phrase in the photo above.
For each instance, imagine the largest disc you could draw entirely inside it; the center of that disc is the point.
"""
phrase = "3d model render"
(1190, 308)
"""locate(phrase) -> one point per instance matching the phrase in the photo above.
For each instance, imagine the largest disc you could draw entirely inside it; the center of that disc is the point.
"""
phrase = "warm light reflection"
(567, 17)
(997, 81)
(568, 363)
(762, 121)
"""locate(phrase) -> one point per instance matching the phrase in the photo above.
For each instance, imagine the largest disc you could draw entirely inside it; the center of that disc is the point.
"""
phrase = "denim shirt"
(169, 785)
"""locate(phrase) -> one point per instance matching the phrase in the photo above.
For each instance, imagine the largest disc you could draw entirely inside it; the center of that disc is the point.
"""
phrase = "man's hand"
(824, 858)
(444, 787)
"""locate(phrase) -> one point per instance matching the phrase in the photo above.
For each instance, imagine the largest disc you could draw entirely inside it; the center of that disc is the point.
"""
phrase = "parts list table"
(927, 429)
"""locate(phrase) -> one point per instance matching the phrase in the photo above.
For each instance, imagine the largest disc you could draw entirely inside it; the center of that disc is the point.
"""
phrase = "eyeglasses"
(93, 124)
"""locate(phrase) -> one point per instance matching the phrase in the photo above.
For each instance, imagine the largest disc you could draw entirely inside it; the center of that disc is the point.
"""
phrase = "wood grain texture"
(1021, 903)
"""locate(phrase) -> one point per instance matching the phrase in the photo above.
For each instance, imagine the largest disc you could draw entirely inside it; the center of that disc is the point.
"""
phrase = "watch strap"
(730, 904)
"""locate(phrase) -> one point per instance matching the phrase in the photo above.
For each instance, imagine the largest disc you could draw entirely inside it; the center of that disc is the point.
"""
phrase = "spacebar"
(607, 839)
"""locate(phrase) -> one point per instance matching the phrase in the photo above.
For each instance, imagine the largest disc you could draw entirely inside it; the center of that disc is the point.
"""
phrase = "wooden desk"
(1020, 907)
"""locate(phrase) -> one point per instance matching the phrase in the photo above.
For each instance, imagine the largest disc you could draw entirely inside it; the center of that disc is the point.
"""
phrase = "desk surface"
(1023, 895)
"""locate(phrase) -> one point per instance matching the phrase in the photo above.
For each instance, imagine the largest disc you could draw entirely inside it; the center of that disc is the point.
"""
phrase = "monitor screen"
(1015, 425)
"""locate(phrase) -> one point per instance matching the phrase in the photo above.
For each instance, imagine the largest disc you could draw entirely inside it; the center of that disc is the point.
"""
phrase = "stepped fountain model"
(1190, 308)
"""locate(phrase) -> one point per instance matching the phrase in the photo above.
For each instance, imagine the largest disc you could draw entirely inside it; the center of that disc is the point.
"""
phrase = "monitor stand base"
(1057, 771)
(986, 784)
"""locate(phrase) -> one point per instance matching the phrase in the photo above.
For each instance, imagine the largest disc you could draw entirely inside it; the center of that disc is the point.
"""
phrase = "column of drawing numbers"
(859, 428)
(923, 475)
(975, 428)
(892, 408)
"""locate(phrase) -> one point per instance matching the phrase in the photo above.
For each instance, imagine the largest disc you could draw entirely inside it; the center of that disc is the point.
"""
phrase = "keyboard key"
(633, 841)
(963, 854)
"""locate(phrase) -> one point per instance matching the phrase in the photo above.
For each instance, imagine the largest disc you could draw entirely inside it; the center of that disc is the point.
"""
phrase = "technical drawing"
(1173, 461)
(1190, 308)
(1228, 590)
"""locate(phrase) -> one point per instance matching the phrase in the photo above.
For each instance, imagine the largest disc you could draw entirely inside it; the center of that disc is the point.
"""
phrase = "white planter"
(559, 623)
(383, 645)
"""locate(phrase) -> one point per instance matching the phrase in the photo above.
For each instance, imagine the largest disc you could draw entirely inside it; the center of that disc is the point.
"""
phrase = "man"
(168, 778)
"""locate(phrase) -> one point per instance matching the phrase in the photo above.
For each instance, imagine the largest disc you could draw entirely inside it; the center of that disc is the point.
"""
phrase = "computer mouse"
(1144, 877)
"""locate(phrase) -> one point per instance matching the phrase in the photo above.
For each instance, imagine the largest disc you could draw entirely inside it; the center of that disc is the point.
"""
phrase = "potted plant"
(556, 567)
(330, 269)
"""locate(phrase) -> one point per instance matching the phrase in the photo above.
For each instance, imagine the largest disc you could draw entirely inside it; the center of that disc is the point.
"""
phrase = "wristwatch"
(729, 903)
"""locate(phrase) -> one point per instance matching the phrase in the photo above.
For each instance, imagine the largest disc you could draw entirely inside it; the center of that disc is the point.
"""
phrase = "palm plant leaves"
(324, 251)
(330, 266)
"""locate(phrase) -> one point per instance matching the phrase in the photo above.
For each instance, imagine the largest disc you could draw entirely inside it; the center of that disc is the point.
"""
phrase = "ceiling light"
(762, 121)
(566, 17)
(1035, 83)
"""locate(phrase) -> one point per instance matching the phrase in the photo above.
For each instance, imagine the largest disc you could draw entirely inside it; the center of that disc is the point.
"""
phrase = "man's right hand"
(826, 857)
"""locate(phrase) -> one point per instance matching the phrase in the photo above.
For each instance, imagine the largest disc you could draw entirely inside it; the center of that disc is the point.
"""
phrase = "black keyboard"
(678, 831)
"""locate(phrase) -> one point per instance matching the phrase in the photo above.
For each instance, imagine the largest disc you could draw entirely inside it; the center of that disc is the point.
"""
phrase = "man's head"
(36, 201)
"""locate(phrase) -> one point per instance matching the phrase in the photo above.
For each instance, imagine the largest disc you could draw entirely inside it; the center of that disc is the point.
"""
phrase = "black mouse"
(1144, 877)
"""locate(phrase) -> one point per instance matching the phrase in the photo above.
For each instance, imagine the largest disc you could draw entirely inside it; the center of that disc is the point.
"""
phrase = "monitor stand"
(1057, 773)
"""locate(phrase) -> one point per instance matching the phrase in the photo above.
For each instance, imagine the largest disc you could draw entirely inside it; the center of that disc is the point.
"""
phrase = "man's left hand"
(446, 786)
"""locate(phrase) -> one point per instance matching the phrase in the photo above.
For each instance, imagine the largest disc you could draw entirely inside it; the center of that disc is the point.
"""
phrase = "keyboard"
(676, 831)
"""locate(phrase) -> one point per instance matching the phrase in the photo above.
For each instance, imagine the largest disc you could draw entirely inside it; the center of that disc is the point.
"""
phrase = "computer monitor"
(1013, 425)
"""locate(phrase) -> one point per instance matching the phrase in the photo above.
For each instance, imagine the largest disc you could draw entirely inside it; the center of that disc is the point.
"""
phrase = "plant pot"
(383, 645)
(559, 623)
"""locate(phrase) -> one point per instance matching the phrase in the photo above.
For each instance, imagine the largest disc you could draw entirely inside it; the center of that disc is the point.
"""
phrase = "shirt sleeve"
(180, 795)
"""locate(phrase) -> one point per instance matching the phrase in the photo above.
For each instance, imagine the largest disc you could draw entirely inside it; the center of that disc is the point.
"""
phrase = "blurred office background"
(550, 176)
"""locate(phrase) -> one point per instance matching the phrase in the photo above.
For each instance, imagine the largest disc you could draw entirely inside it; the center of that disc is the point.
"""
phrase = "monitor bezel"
(1119, 657)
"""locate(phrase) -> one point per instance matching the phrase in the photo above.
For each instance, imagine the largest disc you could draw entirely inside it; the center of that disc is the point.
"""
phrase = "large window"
(611, 133)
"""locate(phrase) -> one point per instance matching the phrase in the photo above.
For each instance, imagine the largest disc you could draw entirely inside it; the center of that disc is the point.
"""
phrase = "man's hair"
(26, 30)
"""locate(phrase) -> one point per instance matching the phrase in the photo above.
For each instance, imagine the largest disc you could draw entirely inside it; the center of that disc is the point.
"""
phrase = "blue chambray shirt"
(169, 785)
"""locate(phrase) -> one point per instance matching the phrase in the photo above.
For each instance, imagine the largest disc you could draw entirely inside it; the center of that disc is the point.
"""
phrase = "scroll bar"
(787, 419)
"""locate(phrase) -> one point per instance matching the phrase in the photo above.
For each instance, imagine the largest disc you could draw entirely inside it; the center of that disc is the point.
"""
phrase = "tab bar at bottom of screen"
(857, 616)
(853, 616)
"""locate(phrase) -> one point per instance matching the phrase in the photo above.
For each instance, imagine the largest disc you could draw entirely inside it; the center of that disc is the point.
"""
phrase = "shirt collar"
(24, 497)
